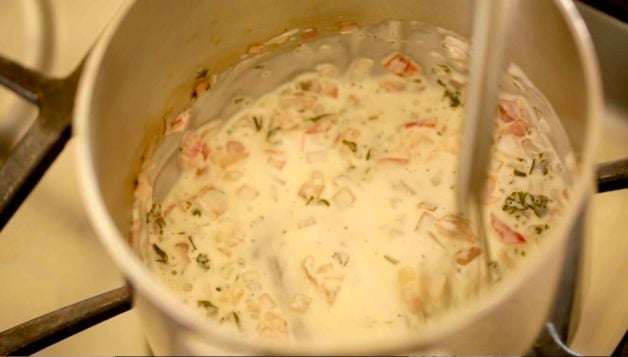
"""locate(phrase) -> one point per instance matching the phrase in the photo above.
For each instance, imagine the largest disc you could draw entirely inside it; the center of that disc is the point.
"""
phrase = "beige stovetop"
(50, 256)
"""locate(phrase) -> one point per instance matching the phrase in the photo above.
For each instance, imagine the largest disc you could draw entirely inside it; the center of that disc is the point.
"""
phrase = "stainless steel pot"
(143, 65)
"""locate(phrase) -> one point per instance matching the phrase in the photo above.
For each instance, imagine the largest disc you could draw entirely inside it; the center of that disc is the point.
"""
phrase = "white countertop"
(50, 256)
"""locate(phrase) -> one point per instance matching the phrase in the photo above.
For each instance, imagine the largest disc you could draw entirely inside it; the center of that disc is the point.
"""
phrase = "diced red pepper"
(506, 234)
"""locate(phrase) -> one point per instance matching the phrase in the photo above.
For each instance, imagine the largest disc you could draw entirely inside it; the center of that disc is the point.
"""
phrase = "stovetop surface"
(50, 256)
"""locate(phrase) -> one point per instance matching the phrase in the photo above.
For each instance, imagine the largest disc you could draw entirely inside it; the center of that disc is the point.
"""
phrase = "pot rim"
(165, 300)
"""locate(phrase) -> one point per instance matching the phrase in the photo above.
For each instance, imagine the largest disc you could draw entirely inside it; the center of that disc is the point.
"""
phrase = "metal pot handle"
(44, 140)
(612, 175)
(43, 331)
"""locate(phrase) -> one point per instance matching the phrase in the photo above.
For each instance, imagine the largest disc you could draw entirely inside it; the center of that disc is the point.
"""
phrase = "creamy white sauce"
(324, 209)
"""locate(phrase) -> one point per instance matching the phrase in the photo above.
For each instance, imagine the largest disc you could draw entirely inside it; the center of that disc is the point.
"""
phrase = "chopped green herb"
(433, 236)
(238, 100)
(258, 66)
(206, 303)
(155, 211)
(391, 259)
(201, 73)
(341, 258)
(368, 155)
(520, 201)
(542, 164)
(538, 111)
(258, 123)
(541, 228)
(163, 257)
(203, 261)
(236, 318)
(454, 98)
(441, 68)
(309, 200)
(417, 81)
(453, 95)
(211, 308)
(323, 201)
(532, 166)
(196, 212)
(317, 118)
(351, 145)
(492, 264)
(519, 173)
(160, 222)
(272, 132)
(192, 242)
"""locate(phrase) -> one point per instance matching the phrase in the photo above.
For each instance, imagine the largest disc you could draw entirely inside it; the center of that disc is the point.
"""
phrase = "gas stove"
(50, 257)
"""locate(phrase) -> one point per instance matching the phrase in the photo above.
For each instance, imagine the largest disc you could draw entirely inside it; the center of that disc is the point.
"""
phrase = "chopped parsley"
(317, 118)
(453, 95)
(201, 73)
(258, 123)
(155, 214)
(160, 222)
(519, 173)
(272, 132)
(540, 164)
(441, 68)
(391, 259)
(236, 318)
(192, 242)
(520, 201)
(541, 228)
(368, 155)
(351, 145)
(196, 212)
(208, 305)
(163, 257)
(320, 201)
(203, 261)
(341, 258)
(454, 98)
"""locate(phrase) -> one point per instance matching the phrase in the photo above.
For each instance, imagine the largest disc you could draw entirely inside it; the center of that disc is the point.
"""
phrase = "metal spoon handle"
(490, 31)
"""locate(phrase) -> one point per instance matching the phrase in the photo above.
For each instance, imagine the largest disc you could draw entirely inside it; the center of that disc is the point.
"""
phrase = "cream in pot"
(109, 118)
(324, 210)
